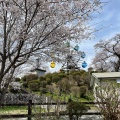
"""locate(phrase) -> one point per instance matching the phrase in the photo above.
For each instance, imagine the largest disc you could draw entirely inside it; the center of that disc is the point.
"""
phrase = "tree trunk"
(4, 88)
(2, 96)
(117, 66)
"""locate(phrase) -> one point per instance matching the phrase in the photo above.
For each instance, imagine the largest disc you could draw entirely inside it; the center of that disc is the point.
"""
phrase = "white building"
(100, 79)
(97, 78)
(37, 71)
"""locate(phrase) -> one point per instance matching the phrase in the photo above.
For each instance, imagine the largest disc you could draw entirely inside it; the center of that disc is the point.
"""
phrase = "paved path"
(89, 117)
(84, 117)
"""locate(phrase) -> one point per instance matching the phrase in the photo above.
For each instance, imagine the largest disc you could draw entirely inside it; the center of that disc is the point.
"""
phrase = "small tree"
(75, 90)
(76, 109)
(64, 85)
(50, 88)
(108, 94)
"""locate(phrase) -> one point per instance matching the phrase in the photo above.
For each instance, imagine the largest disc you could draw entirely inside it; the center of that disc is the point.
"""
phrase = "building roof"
(106, 75)
(38, 70)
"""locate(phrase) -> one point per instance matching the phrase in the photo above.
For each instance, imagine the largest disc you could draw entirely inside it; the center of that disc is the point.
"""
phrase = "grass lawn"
(13, 110)
(66, 97)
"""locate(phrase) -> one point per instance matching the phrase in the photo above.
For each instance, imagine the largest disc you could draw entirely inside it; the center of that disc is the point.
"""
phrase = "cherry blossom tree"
(108, 96)
(107, 56)
(33, 27)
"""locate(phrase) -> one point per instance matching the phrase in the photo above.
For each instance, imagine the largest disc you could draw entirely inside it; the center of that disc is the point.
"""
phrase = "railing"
(29, 115)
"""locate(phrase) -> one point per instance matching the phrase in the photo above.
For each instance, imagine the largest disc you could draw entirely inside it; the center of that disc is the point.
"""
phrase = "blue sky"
(109, 20)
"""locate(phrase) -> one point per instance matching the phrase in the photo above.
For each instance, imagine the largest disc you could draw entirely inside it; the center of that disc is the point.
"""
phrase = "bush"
(31, 77)
(62, 75)
(12, 90)
(76, 109)
(48, 81)
(49, 75)
(23, 78)
(25, 85)
(17, 79)
(43, 90)
(83, 91)
(50, 88)
(43, 84)
(42, 78)
(55, 78)
(64, 85)
(75, 90)
(108, 93)
(34, 85)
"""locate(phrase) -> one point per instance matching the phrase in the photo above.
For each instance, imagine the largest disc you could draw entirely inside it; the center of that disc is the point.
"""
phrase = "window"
(118, 80)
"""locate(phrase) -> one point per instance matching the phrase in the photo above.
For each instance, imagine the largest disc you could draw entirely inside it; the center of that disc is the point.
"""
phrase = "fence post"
(29, 109)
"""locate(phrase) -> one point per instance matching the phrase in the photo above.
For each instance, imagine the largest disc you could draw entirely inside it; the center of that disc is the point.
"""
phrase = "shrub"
(43, 84)
(17, 79)
(49, 75)
(62, 75)
(48, 81)
(42, 78)
(43, 90)
(50, 88)
(23, 78)
(34, 85)
(25, 85)
(83, 91)
(76, 109)
(31, 77)
(55, 78)
(108, 93)
(75, 90)
(64, 85)
(12, 90)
